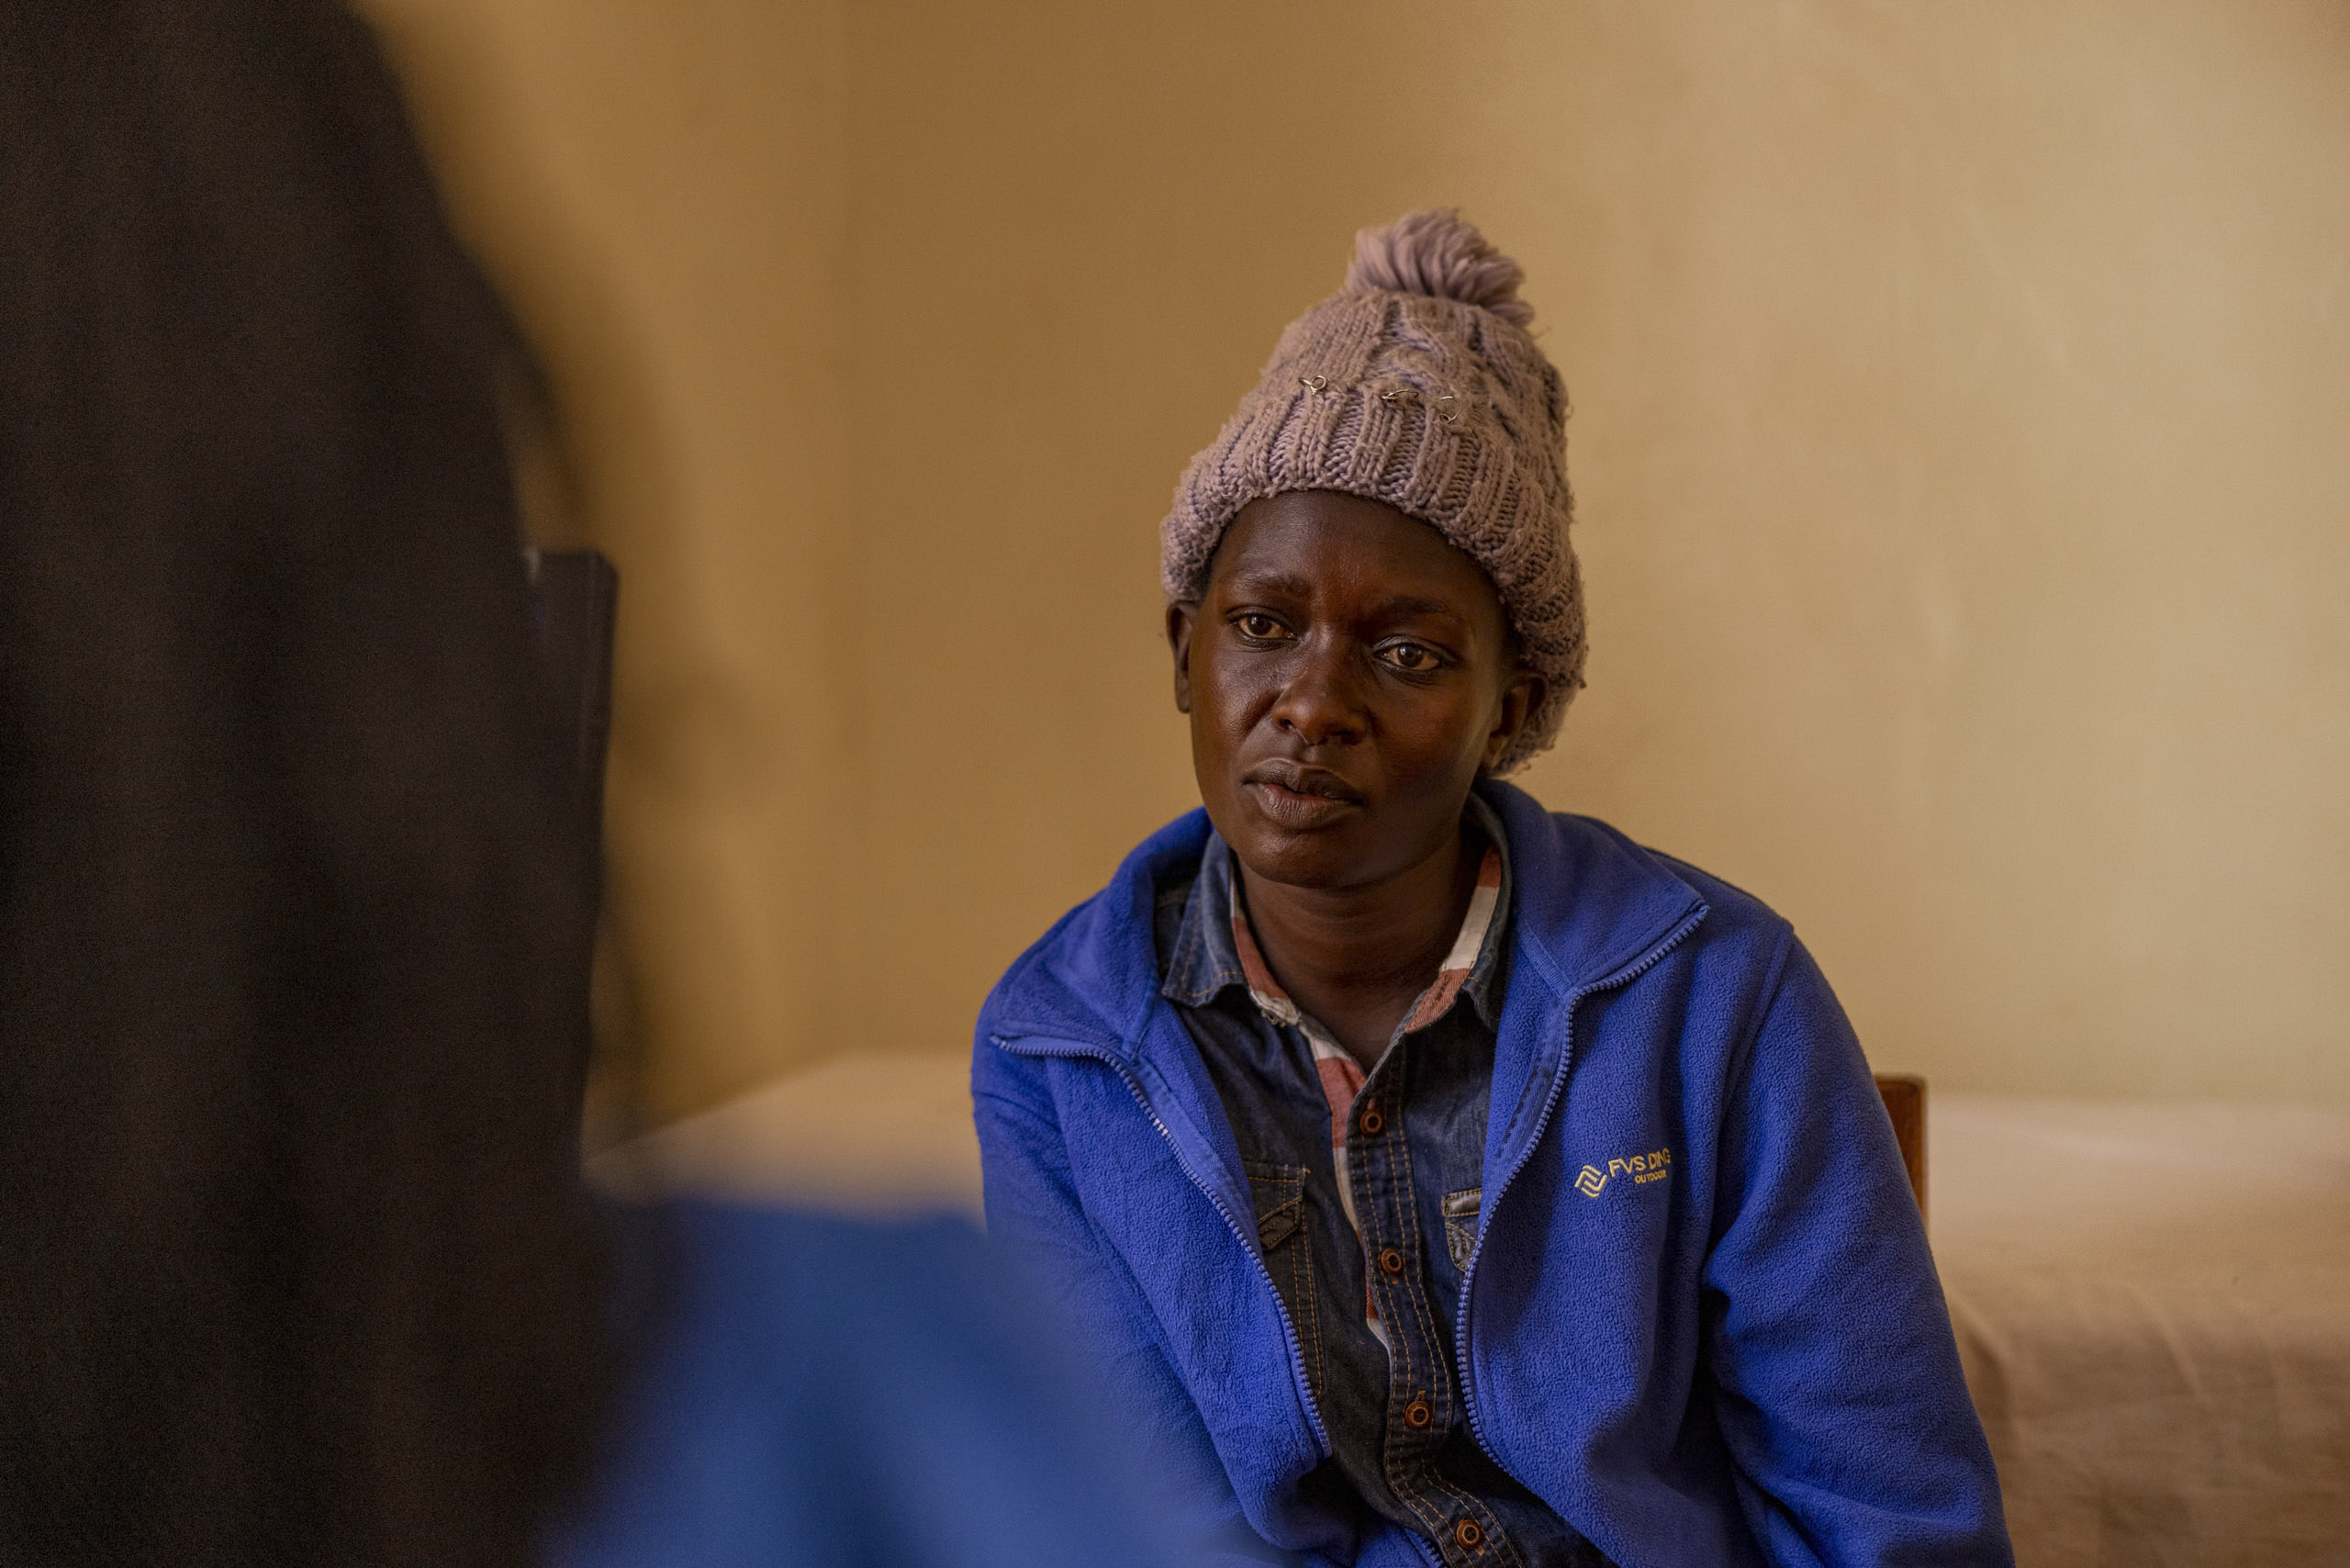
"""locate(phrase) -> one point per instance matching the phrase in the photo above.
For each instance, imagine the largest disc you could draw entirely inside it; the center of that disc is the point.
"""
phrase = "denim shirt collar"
(1204, 960)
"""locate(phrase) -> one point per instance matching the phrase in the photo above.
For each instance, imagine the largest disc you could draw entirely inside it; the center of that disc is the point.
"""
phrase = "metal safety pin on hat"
(1314, 383)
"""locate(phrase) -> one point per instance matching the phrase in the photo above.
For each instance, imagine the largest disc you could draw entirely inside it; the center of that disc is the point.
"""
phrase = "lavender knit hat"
(1416, 385)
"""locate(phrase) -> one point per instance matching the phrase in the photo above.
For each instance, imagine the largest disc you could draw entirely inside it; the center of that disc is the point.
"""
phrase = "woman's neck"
(1356, 958)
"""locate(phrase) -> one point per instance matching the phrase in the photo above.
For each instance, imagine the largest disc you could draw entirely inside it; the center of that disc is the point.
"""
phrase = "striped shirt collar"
(1215, 948)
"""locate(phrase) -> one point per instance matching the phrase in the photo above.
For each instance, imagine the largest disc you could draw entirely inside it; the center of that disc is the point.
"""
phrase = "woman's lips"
(1295, 810)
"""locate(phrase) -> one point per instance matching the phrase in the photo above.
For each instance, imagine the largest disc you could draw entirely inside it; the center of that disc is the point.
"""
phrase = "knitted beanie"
(1416, 385)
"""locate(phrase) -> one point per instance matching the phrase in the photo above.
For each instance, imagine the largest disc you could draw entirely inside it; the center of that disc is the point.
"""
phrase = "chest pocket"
(1279, 1194)
(1461, 1224)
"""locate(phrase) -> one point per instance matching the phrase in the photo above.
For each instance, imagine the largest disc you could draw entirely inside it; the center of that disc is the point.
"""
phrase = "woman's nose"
(1321, 703)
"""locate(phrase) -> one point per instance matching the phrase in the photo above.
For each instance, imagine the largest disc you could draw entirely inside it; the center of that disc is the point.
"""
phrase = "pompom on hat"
(1416, 385)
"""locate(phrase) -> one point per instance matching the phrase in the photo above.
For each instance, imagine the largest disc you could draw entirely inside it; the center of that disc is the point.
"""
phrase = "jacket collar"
(1093, 978)
(1591, 907)
(1590, 904)
(1206, 959)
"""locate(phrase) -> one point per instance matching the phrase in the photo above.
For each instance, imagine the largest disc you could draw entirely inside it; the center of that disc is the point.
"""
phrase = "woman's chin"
(1307, 858)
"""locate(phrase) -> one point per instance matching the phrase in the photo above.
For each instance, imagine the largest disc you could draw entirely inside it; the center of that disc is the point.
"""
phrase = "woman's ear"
(1181, 615)
(1520, 698)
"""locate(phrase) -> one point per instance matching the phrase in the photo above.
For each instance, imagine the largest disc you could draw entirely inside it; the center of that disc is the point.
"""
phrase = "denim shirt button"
(1371, 1121)
(1417, 1414)
(1467, 1533)
(1390, 1260)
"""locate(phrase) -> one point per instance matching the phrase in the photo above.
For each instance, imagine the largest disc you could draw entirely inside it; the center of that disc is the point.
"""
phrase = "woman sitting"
(1438, 1178)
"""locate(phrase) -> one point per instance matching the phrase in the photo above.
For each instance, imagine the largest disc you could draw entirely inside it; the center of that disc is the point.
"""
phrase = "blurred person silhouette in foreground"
(295, 900)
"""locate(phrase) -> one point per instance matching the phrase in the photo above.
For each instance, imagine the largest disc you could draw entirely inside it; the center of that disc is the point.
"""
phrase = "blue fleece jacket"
(1701, 1321)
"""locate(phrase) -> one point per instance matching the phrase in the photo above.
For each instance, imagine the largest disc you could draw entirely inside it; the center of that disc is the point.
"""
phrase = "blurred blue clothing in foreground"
(833, 1393)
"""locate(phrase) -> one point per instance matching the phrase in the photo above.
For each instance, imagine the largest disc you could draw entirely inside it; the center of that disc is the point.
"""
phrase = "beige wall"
(660, 187)
(1962, 396)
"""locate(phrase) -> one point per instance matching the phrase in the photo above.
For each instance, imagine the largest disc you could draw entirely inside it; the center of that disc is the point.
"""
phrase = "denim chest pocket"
(1461, 1224)
(1279, 1194)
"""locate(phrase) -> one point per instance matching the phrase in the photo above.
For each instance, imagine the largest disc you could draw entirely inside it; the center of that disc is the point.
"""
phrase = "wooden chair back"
(1905, 1102)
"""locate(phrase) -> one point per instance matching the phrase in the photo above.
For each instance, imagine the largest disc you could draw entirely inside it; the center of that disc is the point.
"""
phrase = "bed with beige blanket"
(2152, 1302)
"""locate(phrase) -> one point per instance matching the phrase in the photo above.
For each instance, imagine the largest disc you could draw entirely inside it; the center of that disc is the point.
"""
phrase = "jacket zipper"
(1134, 1087)
(1541, 1124)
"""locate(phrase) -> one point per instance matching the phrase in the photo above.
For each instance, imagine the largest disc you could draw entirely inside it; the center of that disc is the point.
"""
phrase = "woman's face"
(1348, 676)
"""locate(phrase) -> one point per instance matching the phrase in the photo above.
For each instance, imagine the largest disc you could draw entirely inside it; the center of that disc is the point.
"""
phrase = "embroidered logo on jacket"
(1642, 1167)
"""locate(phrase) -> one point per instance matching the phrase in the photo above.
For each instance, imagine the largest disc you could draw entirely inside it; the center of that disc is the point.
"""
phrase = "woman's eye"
(1261, 627)
(1411, 657)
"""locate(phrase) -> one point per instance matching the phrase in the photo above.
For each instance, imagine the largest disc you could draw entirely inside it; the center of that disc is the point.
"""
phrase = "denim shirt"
(1371, 1276)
